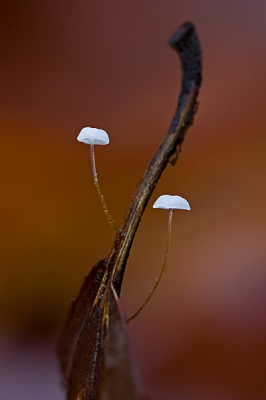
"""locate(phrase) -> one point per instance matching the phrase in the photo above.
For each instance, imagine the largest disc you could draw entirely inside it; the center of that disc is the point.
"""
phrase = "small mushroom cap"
(93, 136)
(168, 202)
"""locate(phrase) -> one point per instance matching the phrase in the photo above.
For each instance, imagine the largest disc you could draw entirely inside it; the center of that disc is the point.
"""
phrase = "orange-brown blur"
(65, 65)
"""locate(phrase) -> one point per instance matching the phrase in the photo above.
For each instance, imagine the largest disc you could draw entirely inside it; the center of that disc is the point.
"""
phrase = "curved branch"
(185, 42)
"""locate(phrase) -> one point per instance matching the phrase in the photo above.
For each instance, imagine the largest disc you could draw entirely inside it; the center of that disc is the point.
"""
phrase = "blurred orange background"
(65, 65)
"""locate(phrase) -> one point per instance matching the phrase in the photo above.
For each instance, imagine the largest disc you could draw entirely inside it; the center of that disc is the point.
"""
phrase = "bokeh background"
(68, 64)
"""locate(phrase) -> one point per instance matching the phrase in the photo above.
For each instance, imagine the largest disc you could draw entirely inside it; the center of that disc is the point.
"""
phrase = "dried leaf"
(118, 375)
(80, 332)
(94, 348)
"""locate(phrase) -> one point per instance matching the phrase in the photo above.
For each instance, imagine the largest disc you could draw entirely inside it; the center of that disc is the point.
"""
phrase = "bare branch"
(185, 42)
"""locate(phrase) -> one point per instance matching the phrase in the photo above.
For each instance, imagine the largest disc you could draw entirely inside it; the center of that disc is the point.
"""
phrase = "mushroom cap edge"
(96, 136)
(170, 202)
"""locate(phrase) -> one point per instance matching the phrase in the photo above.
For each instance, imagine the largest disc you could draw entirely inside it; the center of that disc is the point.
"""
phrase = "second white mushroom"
(171, 203)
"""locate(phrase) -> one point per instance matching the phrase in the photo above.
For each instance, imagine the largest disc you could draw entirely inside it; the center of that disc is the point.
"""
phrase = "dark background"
(68, 64)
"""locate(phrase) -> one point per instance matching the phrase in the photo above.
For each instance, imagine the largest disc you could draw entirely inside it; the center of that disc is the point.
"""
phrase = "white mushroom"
(171, 203)
(168, 202)
(95, 136)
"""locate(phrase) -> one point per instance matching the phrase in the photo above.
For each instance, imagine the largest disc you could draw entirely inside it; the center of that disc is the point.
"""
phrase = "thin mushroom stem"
(162, 270)
(99, 192)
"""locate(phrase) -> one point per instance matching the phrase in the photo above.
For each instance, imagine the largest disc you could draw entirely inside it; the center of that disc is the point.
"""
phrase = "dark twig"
(186, 43)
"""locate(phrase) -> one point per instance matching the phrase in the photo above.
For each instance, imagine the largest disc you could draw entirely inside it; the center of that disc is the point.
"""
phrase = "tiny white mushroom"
(171, 203)
(95, 136)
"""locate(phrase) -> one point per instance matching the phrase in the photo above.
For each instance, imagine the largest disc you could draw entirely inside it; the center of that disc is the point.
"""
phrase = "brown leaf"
(94, 347)
(83, 377)
(118, 374)
(79, 334)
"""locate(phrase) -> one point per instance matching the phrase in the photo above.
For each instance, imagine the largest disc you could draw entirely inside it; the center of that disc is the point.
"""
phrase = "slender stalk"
(143, 305)
(99, 192)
